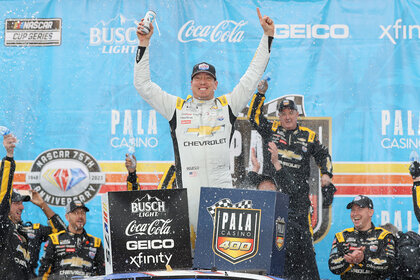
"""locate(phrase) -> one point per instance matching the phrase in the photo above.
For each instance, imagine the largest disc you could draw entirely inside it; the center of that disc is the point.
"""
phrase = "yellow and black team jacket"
(168, 180)
(14, 254)
(379, 253)
(133, 182)
(37, 234)
(67, 255)
(416, 199)
(295, 149)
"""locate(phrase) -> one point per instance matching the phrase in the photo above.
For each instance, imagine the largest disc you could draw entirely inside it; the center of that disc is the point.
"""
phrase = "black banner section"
(146, 230)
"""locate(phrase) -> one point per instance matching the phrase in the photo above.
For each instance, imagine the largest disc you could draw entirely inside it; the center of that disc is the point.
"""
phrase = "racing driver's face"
(77, 220)
(288, 118)
(203, 86)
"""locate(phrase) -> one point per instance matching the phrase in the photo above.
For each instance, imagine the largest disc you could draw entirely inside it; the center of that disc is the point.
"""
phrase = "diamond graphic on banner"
(64, 178)
(77, 175)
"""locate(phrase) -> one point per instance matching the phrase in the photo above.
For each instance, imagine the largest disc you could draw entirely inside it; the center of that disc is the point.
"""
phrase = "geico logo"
(156, 206)
(317, 31)
(111, 36)
(150, 244)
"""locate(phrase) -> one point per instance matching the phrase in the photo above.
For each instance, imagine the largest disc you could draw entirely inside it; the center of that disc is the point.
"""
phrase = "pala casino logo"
(63, 175)
(246, 137)
(236, 231)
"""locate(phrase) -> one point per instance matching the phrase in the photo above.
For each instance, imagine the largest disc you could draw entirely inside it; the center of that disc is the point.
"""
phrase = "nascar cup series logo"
(63, 175)
(236, 231)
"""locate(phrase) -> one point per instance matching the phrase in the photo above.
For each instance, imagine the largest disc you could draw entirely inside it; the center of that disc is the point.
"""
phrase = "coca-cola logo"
(226, 31)
(157, 227)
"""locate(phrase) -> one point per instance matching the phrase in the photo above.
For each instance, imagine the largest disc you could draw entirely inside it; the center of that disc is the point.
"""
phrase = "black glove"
(328, 192)
(415, 169)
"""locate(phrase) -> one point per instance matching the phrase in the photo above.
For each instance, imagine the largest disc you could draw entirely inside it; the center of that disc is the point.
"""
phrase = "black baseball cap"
(204, 67)
(73, 205)
(286, 103)
(17, 197)
(362, 201)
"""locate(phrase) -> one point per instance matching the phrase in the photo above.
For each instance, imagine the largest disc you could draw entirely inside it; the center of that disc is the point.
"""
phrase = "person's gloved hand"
(328, 192)
(414, 169)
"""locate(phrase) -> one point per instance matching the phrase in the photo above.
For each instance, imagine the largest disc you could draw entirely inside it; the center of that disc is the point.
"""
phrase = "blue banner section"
(67, 83)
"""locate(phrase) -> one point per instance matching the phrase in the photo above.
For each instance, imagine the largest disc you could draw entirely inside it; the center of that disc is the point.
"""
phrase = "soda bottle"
(131, 151)
(414, 156)
(148, 19)
(4, 130)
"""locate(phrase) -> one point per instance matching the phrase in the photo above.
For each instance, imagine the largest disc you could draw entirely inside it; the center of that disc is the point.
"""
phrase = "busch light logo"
(225, 31)
(117, 35)
(63, 175)
(148, 206)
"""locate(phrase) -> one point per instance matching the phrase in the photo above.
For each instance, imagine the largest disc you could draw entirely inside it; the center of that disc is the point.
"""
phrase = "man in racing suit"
(37, 233)
(202, 125)
(20, 242)
(364, 251)
(14, 254)
(296, 145)
(73, 252)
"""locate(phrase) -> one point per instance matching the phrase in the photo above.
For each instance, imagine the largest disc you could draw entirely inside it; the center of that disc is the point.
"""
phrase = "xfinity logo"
(317, 31)
(399, 31)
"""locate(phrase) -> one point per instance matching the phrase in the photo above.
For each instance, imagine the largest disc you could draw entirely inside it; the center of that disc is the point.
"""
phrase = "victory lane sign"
(236, 233)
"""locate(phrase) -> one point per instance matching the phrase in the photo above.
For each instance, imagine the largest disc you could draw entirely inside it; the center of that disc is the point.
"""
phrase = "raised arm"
(160, 100)
(132, 179)
(7, 171)
(415, 174)
(243, 91)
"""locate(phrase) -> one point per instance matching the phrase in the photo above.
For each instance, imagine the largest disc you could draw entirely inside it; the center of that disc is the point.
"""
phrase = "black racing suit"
(416, 199)
(14, 253)
(379, 253)
(67, 255)
(37, 234)
(295, 148)
(133, 182)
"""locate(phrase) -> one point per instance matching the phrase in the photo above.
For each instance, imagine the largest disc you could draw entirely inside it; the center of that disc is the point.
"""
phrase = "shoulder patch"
(223, 100)
(340, 235)
(179, 103)
(312, 134)
(96, 240)
(36, 226)
(275, 125)
(383, 233)
(54, 237)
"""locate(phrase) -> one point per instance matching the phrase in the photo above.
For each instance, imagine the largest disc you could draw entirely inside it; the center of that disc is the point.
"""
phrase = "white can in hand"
(148, 19)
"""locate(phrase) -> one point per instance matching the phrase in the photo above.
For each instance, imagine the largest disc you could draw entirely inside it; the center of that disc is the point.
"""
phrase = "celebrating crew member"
(73, 252)
(295, 146)
(202, 125)
(36, 233)
(14, 253)
(364, 251)
(21, 242)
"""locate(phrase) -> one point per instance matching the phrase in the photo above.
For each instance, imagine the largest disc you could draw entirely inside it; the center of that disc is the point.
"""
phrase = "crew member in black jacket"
(295, 145)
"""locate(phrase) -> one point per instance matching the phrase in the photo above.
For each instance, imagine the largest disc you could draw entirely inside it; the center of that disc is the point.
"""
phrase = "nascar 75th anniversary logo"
(236, 233)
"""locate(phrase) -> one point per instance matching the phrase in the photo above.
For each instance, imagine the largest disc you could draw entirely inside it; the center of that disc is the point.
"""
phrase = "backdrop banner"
(67, 94)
